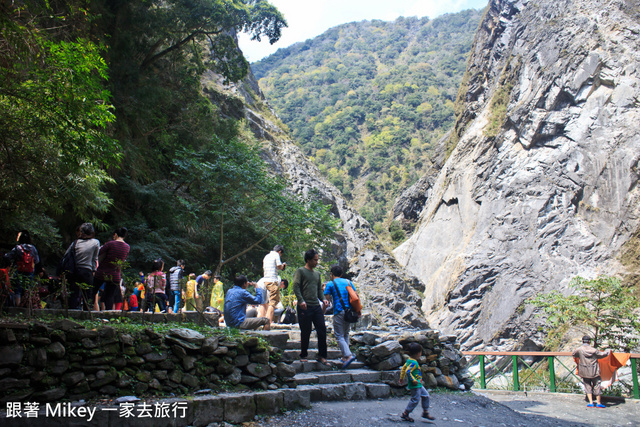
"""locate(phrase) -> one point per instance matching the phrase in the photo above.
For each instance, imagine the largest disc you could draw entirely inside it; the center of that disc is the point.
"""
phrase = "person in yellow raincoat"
(191, 293)
(217, 295)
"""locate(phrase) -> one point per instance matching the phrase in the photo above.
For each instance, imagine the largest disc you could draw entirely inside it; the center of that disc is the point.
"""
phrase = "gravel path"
(466, 409)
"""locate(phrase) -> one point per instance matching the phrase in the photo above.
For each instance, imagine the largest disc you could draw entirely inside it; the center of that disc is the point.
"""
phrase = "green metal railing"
(517, 358)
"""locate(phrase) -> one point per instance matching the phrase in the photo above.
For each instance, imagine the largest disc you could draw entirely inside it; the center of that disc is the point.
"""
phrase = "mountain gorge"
(542, 184)
(367, 101)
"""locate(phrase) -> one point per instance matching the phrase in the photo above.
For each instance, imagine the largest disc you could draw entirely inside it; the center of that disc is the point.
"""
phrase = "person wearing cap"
(589, 370)
(271, 264)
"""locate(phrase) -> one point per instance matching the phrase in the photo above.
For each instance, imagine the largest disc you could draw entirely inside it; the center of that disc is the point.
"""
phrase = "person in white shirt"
(271, 264)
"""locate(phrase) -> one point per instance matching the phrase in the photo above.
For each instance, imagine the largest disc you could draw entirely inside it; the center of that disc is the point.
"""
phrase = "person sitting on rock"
(235, 306)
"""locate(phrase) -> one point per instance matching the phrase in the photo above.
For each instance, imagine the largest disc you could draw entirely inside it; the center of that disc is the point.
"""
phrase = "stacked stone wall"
(64, 360)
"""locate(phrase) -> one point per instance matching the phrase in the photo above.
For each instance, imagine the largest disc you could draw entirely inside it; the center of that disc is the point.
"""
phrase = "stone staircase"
(332, 383)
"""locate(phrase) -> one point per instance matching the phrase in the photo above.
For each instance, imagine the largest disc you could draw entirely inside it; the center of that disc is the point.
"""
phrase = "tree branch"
(151, 58)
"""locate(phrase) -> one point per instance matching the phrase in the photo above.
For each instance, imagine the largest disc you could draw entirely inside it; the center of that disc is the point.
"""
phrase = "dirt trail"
(468, 409)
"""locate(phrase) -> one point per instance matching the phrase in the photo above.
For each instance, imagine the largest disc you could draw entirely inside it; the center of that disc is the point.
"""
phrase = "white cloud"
(310, 19)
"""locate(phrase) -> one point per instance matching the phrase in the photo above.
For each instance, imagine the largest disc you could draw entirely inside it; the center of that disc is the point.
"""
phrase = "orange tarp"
(608, 367)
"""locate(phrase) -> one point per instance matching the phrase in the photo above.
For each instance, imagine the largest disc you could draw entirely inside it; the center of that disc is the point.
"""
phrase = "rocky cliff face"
(389, 293)
(542, 184)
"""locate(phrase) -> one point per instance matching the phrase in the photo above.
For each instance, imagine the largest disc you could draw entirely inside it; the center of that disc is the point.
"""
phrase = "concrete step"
(293, 355)
(313, 366)
(295, 344)
(338, 377)
(349, 391)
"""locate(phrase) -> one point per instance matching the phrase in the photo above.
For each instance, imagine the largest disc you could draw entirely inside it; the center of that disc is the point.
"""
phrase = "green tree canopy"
(603, 308)
(55, 111)
(371, 98)
(111, 111)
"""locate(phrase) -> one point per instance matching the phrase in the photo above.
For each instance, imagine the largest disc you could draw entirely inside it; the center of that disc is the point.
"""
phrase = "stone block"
(188, 363)
(269, 402)
(262, 357)
(429, 380)
(337, 378)
(355, 391)
(392, 362)
(332, 392)
(306, 379)
(190, 381)
(390, 376)
(448, 381)
(285, 370)
(248, 379)
(106, 378)
(386, 348)
(239, 408)
(58, 367)
(209, 345)
(296, 398)
(13, 383)
(378, 391)
(206, 410)
(259, 370)
(366, 376)
(155, 357)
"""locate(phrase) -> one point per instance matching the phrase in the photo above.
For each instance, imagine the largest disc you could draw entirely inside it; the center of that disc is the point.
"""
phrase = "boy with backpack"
(411, 370)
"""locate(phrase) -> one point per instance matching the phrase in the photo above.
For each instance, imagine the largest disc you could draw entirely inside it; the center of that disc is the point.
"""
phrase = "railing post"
(552, 374)
(634, 375)
(516, 381)
(483, 383)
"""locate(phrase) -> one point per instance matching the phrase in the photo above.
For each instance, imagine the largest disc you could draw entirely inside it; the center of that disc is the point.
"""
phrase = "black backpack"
(68, 263)
(289, 316)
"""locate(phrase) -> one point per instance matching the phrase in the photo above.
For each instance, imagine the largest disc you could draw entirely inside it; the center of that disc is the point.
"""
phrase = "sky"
(310, 18)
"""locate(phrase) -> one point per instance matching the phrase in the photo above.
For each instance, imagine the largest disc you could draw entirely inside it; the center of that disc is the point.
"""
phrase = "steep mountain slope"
(389, 293)
(542, 184)
(367, 100)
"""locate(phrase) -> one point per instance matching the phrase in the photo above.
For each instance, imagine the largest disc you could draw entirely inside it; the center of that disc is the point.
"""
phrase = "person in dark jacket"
(589, 370)
(176, 273)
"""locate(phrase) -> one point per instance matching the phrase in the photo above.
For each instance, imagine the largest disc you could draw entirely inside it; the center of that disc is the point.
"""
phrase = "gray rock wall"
(550, 190)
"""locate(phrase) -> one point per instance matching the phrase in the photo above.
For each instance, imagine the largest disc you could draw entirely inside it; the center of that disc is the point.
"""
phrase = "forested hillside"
(103, 118)
(367, 101)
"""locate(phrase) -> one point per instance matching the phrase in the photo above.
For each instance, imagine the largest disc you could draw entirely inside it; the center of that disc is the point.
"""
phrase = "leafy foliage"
(603, 307)
(105, 118)
(54, 114)
(367, 101)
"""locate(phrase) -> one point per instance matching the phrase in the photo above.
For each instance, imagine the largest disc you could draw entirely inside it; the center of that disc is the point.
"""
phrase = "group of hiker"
(93, 275)
(311, 302)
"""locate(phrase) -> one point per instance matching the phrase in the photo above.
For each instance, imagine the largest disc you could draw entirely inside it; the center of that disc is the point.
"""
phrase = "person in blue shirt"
(235, 305)
(338, 286)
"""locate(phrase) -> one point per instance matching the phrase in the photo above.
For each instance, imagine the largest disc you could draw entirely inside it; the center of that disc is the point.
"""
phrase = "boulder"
(386, 348)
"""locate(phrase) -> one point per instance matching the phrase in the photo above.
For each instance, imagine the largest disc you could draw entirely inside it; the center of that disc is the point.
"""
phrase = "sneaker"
(425, 414)
(591, 405)
(600, 405)
(406, 417)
